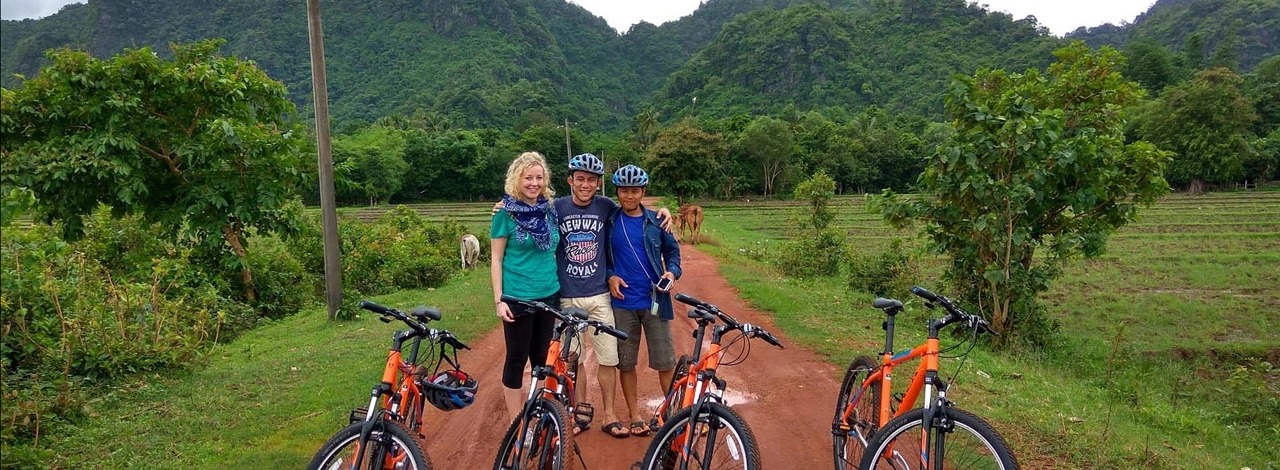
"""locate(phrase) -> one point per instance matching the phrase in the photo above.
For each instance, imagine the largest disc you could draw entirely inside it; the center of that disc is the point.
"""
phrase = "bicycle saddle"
(883, 303)
(425, 312)
(575, 312)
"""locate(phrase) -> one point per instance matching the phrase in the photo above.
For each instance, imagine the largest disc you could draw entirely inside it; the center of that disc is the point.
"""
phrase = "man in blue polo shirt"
(641, 256)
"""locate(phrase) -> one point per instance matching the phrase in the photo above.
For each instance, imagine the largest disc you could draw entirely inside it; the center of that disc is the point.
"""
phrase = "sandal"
(615, 429)
(640, 428)
(582, 416)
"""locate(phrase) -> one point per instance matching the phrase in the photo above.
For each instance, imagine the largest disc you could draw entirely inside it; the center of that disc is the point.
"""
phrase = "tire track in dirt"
(786, 396)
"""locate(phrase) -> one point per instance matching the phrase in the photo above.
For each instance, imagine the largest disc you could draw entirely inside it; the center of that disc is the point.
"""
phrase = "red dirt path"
(789, 393)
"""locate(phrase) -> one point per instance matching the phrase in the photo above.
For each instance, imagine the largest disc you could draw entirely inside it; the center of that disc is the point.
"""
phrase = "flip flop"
(643, 429)
(615, 429)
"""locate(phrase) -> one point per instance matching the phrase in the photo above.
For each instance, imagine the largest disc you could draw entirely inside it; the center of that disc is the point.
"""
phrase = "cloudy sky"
(1060, 16)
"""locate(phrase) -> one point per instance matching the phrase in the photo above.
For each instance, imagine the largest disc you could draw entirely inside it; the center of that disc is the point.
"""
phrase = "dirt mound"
(785, 396)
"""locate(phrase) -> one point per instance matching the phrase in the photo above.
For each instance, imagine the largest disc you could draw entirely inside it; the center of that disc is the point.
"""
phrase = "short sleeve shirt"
(527, 272)
(583, 240)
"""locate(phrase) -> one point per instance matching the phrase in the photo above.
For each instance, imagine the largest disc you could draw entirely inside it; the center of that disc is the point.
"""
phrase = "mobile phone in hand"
(664, 284)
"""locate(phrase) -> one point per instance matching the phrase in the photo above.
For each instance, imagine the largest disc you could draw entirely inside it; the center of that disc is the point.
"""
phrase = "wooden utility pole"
(568, 150)
(328, 203)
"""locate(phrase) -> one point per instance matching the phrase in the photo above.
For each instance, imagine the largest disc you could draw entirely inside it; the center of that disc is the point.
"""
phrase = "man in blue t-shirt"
(641, 255)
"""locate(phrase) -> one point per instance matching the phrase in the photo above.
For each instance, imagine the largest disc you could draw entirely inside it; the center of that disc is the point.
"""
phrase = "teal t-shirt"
(527, 272)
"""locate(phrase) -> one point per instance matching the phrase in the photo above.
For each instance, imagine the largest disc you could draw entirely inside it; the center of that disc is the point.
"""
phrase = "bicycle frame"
(700, 376)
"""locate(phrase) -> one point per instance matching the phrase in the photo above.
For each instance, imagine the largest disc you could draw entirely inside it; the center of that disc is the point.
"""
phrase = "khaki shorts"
(599, 308)
(657, 334)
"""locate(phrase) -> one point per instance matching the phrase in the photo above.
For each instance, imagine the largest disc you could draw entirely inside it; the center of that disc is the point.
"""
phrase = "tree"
(1226, 54)
(199, 144)
(1206, 123)
(816, 192)
(376, 156)
(685, 160)
(767, 143)
(1151, 65)
(1037, 173)
(1262, 87)
(1193, 52)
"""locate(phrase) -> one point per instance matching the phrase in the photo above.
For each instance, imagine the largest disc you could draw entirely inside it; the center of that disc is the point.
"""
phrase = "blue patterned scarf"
(531, 220)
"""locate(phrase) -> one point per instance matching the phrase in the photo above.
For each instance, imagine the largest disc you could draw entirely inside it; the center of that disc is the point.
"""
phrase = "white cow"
(470, 251)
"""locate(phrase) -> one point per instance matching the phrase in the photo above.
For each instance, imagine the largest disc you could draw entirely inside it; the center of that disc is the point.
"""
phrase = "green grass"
(1179, 301)
(267, 400)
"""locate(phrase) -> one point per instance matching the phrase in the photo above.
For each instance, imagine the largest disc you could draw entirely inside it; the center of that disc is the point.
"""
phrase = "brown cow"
(690, 217)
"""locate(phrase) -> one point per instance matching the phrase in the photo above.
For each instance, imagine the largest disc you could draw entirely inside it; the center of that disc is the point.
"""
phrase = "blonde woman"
(524, 235)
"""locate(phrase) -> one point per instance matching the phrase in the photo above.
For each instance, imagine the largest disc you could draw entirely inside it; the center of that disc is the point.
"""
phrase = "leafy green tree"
(549, 141)
(199, 144)
(1226, 54)
(1037, 173)
(1206, 123)
(766, 142)
(455, 165)
(817, 192)
(1262, 87)
(375, 156)
(1193, 52)
(685, 160)
(1150, 64)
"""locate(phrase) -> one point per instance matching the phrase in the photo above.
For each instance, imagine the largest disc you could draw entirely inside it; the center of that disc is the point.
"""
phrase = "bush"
(283, 283)
(891, 273)
(812, 257)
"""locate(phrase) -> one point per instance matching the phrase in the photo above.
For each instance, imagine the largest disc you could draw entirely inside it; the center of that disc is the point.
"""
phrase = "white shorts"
(598, 307)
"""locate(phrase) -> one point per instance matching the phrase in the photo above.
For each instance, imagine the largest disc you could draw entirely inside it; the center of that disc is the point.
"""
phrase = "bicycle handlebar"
(746, 328)
(425, 312)
(375, 308)
(579, 316)
(953, 310)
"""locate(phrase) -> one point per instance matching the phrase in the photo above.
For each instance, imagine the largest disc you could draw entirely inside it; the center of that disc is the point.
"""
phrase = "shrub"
(890, 273)
(812, 257)
(283, 283)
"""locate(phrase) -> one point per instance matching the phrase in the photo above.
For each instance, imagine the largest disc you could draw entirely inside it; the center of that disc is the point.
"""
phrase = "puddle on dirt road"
(731, 398)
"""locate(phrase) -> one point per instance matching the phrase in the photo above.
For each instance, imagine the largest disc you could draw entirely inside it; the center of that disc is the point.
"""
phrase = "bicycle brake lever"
(385, 319)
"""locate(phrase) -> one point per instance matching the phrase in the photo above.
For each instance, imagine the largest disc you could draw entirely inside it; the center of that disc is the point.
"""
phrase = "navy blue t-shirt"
(631, 263)
(580, 254)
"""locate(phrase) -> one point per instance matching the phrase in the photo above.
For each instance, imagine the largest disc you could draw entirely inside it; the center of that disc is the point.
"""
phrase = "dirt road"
(785, 395)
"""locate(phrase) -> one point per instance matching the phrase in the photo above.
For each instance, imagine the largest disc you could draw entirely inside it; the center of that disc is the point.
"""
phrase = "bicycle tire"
(552, 425)
(847, 447)
(676, 402)
(662, 456)
(978, 442)
(401, 439)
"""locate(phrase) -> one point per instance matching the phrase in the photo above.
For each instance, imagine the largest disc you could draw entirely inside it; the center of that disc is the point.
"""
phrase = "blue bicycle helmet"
(450, 390)
(630, 176)
(588, 163)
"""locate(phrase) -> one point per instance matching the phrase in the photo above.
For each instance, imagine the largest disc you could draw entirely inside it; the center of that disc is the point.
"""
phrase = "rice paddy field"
(1166, 351)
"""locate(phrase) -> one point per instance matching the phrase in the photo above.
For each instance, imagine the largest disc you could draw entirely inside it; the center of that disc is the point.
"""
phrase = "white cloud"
(20, 9)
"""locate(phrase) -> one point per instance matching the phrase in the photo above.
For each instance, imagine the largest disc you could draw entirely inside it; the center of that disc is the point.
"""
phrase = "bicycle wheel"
(390, 439)
(539, 440)
(847, 445)
(676, 401)
(720, 440)
(971, 444)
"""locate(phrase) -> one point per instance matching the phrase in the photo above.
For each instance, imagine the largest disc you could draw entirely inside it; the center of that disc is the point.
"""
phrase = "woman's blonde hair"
(522, 163)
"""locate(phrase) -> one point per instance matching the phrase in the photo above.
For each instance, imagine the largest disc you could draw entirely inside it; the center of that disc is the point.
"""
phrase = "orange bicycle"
(387, 433)
(698, 429)
(539, 437)
(874, 429)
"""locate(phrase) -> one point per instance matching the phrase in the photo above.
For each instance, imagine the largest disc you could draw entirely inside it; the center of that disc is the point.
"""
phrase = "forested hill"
(1250, 28)
(480, 62)
(512, 62)
(895, 55)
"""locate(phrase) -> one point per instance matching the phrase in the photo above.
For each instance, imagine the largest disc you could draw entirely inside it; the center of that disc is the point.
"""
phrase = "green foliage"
(766, 144)
(376, 157)
(1234, 32)
(1262, 87)
(1151, 65)
(1205, 122)
(1254, 399)
(806, 257)
(816, 192)
(198, 144)
(685, 160)
(1037, 173)
(813, 55)
(890, 273)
